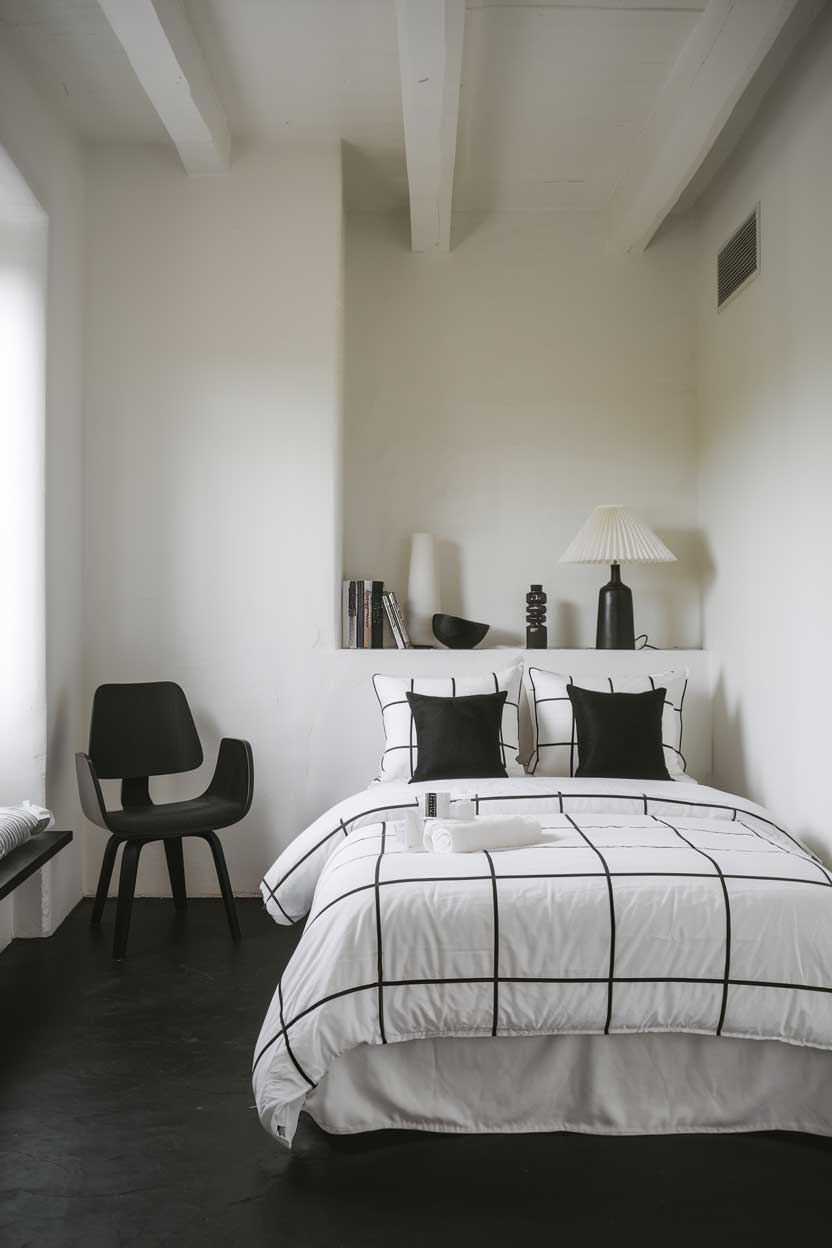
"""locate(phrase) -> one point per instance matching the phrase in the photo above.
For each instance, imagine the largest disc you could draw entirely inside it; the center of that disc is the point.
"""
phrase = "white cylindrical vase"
(422, 589)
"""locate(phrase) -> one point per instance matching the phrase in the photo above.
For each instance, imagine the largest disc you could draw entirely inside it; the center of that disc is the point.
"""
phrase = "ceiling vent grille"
(738, 260)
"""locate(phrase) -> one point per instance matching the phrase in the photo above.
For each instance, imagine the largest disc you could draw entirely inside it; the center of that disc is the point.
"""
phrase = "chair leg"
(225, 884)
(176, 871)
(126, 889)
(107, 863)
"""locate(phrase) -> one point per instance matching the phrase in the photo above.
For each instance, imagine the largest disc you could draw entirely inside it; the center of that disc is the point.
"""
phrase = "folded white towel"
(466, 836)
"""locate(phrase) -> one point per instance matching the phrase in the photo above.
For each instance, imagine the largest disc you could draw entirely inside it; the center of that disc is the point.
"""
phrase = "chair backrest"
(142, 730)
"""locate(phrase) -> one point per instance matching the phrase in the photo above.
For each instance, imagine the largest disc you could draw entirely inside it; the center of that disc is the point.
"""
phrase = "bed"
(661, 961)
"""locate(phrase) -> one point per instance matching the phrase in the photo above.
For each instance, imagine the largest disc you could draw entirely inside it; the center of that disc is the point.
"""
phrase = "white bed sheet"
(607, 1085)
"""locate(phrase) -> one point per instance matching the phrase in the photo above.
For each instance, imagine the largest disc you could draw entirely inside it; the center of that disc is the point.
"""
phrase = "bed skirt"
(610, 1085)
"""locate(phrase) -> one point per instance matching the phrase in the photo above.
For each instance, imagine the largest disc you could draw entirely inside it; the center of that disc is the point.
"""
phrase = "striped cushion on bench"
(18, 823)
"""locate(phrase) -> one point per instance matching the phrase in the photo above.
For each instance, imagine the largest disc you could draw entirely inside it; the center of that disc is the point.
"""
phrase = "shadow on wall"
(707, 566)
(371, 185)
(564, 624)
(729, 770)
(59, 734)
(449, 562)
(464, 225)
(689, 547)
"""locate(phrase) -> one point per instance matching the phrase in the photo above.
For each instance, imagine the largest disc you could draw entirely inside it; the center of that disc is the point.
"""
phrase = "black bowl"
(458, 634)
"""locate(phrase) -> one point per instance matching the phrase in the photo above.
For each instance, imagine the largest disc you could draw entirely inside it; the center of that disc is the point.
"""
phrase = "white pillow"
(555, 745)
(398, 762)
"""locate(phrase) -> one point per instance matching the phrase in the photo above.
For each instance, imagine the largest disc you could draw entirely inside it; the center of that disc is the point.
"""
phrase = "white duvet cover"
(646, 907)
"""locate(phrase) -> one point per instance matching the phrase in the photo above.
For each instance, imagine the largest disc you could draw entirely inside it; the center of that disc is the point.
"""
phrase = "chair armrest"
(92, 799)
(234, 773)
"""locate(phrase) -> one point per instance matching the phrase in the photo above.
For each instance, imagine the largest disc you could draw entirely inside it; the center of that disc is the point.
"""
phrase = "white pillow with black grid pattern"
(398, 762)
(555, 745)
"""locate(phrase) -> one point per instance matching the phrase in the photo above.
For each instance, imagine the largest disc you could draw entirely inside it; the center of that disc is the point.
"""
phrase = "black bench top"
(28, 858)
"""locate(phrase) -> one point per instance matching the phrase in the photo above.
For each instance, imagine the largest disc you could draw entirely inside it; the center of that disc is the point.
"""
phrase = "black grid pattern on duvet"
(603, 861)
(379, 957)
(582, 826)
(727, 900)
(411, 745)
(572, 743)
(343, 825)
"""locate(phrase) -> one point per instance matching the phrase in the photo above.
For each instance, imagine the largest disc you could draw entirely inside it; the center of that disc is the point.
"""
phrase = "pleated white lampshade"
(613, 535)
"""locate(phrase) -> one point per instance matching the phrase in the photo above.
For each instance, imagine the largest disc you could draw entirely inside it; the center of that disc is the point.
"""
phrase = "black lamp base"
(615, 629)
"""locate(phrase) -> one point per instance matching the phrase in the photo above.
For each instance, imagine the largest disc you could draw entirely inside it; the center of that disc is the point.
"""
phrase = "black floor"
(126, 1119)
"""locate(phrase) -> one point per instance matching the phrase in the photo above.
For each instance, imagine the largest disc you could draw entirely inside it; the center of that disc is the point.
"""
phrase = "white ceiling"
(554, 95)
(312, 69)
(80, 66)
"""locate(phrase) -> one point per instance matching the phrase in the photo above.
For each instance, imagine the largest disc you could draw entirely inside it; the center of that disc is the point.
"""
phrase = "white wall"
(23, 239)
(766, 492)
(49, 161)
(213, 465)
(23, 244)
(494, 396)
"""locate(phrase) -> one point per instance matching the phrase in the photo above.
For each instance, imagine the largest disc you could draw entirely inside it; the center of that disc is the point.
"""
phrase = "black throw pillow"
(458, 738)
(619, 734)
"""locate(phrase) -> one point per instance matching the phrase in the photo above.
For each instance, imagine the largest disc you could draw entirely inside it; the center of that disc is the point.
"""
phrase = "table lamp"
(612, 535)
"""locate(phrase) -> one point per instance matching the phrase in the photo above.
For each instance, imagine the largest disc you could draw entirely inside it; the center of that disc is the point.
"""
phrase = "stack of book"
(364, 606)
(396, 620)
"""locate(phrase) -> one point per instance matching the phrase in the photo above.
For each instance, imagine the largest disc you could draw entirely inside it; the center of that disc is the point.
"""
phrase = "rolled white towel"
(466, 836)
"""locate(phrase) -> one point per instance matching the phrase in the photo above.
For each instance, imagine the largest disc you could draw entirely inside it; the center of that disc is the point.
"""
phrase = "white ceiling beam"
(430, 57)
(162, 49)
(732, 56)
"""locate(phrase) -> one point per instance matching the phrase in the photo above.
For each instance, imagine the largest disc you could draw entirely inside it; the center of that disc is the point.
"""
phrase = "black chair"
(145, 730)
